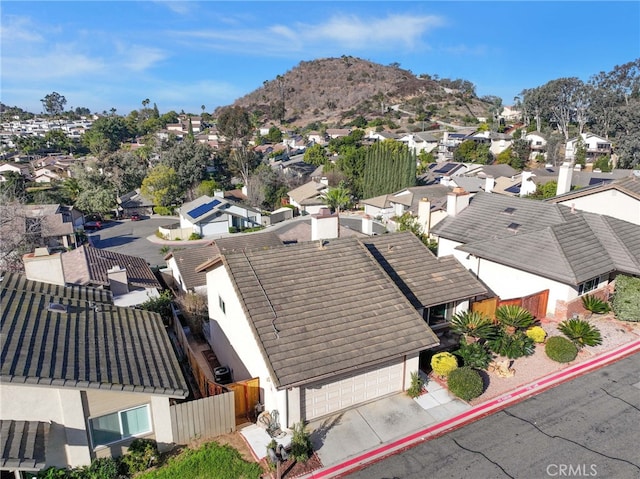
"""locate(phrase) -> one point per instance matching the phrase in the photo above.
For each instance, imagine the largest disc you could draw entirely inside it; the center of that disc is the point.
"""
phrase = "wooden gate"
(535, 303)
(247, 395)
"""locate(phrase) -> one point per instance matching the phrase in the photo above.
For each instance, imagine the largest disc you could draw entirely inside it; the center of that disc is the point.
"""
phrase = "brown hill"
(334, 91)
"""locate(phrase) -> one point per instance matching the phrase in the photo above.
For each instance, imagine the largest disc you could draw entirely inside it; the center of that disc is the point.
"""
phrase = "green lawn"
(211, 461)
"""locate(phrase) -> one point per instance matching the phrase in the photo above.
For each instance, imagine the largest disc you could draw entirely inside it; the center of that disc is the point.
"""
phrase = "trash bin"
(222, 375)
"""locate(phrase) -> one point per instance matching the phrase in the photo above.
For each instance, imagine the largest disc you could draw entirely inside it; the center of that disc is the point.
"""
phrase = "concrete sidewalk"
(355, 439)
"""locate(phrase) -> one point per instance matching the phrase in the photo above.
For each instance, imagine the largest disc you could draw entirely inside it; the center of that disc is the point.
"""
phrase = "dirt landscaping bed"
(529, 369)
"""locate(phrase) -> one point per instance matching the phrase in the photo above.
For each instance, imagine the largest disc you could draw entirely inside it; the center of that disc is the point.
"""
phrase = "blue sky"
(182, 55)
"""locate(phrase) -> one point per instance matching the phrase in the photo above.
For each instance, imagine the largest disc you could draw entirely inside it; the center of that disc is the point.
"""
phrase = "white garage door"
(327, 398)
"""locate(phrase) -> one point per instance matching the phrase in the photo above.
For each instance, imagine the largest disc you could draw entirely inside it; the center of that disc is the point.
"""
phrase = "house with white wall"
(519, 247)
(308, 198)
(97, 377)
(207, 216)
(595, 146)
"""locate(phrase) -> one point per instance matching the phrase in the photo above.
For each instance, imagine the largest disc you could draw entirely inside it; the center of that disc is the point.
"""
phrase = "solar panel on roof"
(202, 209)
(599, 181)
(513, 189)
(446, 168)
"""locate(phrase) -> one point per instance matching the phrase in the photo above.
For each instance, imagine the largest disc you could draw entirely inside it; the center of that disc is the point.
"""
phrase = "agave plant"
(512, 318)
(595, 305)
(581, 332)
(474, 324)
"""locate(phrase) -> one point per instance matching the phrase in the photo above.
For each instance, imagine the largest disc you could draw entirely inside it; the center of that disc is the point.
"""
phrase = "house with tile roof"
(520, 247)
(182, 265)
(134, 202)
(207, 216)
(332, 323)
(433, 199)
(80, 378)
(617, 198)
(129, 278)
(308, 197)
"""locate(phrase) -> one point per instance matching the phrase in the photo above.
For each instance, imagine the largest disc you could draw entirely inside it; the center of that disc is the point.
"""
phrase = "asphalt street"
(587, 427)
(130, 237)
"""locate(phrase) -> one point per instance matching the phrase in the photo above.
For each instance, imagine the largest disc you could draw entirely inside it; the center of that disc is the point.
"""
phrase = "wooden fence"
(247, 396)
(536, 304)
(203, 418)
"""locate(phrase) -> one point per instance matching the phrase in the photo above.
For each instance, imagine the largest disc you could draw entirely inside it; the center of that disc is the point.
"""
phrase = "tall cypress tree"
(390, 166)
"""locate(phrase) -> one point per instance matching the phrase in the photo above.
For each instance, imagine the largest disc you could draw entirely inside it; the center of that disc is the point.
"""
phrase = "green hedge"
(560, 349)
(626, 298)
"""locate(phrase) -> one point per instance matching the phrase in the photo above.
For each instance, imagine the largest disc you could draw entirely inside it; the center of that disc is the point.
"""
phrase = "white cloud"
(176, 6)
(138, 58)
(347, 31)
(16, 29)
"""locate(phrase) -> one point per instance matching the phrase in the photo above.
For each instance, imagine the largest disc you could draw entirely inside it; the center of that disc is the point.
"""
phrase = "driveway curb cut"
(475, 413)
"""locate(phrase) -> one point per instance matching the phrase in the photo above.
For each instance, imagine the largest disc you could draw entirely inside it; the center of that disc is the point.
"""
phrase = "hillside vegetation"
(337, 90)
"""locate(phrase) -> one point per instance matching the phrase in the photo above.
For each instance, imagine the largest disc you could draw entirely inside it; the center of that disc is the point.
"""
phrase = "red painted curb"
(476, 412)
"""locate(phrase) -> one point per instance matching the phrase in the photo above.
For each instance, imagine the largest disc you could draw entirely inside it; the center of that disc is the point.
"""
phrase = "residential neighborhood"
(171, 280)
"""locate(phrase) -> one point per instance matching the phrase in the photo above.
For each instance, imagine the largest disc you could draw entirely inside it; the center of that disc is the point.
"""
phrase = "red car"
(135, 217)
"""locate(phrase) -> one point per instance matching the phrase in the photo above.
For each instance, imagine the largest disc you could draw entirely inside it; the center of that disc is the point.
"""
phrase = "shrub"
(443, 363)
(417, 383)
(474, 355)
(177, 239)
(163, 210)
(301, 448)
(194, 236)
(514, 317)
(160, 235)
(472, 323)
(580, 332)
(560, 349)
(626, 298)
(465, 383)
(512, 346)
(141, 455)
(537, 334)
(233, 229)
(594, 304)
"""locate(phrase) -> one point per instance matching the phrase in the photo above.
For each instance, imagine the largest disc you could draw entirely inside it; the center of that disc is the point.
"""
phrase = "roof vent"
(509, 211)
(57, 308)
(513, 227)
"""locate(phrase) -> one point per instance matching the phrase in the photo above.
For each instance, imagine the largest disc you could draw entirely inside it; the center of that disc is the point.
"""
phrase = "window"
(439, 315)
(120, 425)
(588, 286)
(223, 307)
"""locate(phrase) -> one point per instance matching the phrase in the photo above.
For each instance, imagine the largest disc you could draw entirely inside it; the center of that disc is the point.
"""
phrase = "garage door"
(327, 398)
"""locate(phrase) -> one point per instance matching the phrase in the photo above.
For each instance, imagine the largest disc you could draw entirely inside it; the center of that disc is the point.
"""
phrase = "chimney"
(118, 282)
(324, 180)
(527, 186)
(43, 266)
(489, 183)
(244, 190)
(218, 194)
(457, 200)
(564, 178)
(324, 225)
(424, 215)
(367, 225)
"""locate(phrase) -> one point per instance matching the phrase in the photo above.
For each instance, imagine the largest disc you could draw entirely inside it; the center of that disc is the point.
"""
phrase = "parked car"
(135, 217)
(93, 225)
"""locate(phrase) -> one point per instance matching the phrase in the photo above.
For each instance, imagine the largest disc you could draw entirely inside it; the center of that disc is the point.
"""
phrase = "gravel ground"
(531, 368)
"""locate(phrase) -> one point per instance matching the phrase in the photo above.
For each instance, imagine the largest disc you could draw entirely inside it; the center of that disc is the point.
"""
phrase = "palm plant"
(513, 317)
(595, 305)
(473, 324)
(337, 198)
(580, 332)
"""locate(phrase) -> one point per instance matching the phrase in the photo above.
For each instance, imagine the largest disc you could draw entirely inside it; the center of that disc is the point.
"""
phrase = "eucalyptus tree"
(560, 100)
(53, 103)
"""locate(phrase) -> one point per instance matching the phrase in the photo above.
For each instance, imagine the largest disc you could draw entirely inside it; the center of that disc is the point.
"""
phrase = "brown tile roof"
(629, 185)
(310, 190)
(89, 344)
(187, 260)
(423, 278)
(318, 311)
(89, 265)
(247, 241)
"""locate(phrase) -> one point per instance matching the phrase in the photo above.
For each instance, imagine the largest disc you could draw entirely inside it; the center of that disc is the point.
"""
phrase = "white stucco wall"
(57, 406)
(232, 328)
(611, 202)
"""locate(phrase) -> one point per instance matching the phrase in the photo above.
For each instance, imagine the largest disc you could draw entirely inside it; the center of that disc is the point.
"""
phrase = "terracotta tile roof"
(89, 265)
(82, 343)
(187, 260)
(318, 311)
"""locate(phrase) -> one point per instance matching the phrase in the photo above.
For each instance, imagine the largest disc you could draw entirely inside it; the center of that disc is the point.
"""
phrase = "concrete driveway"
(349, 434)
